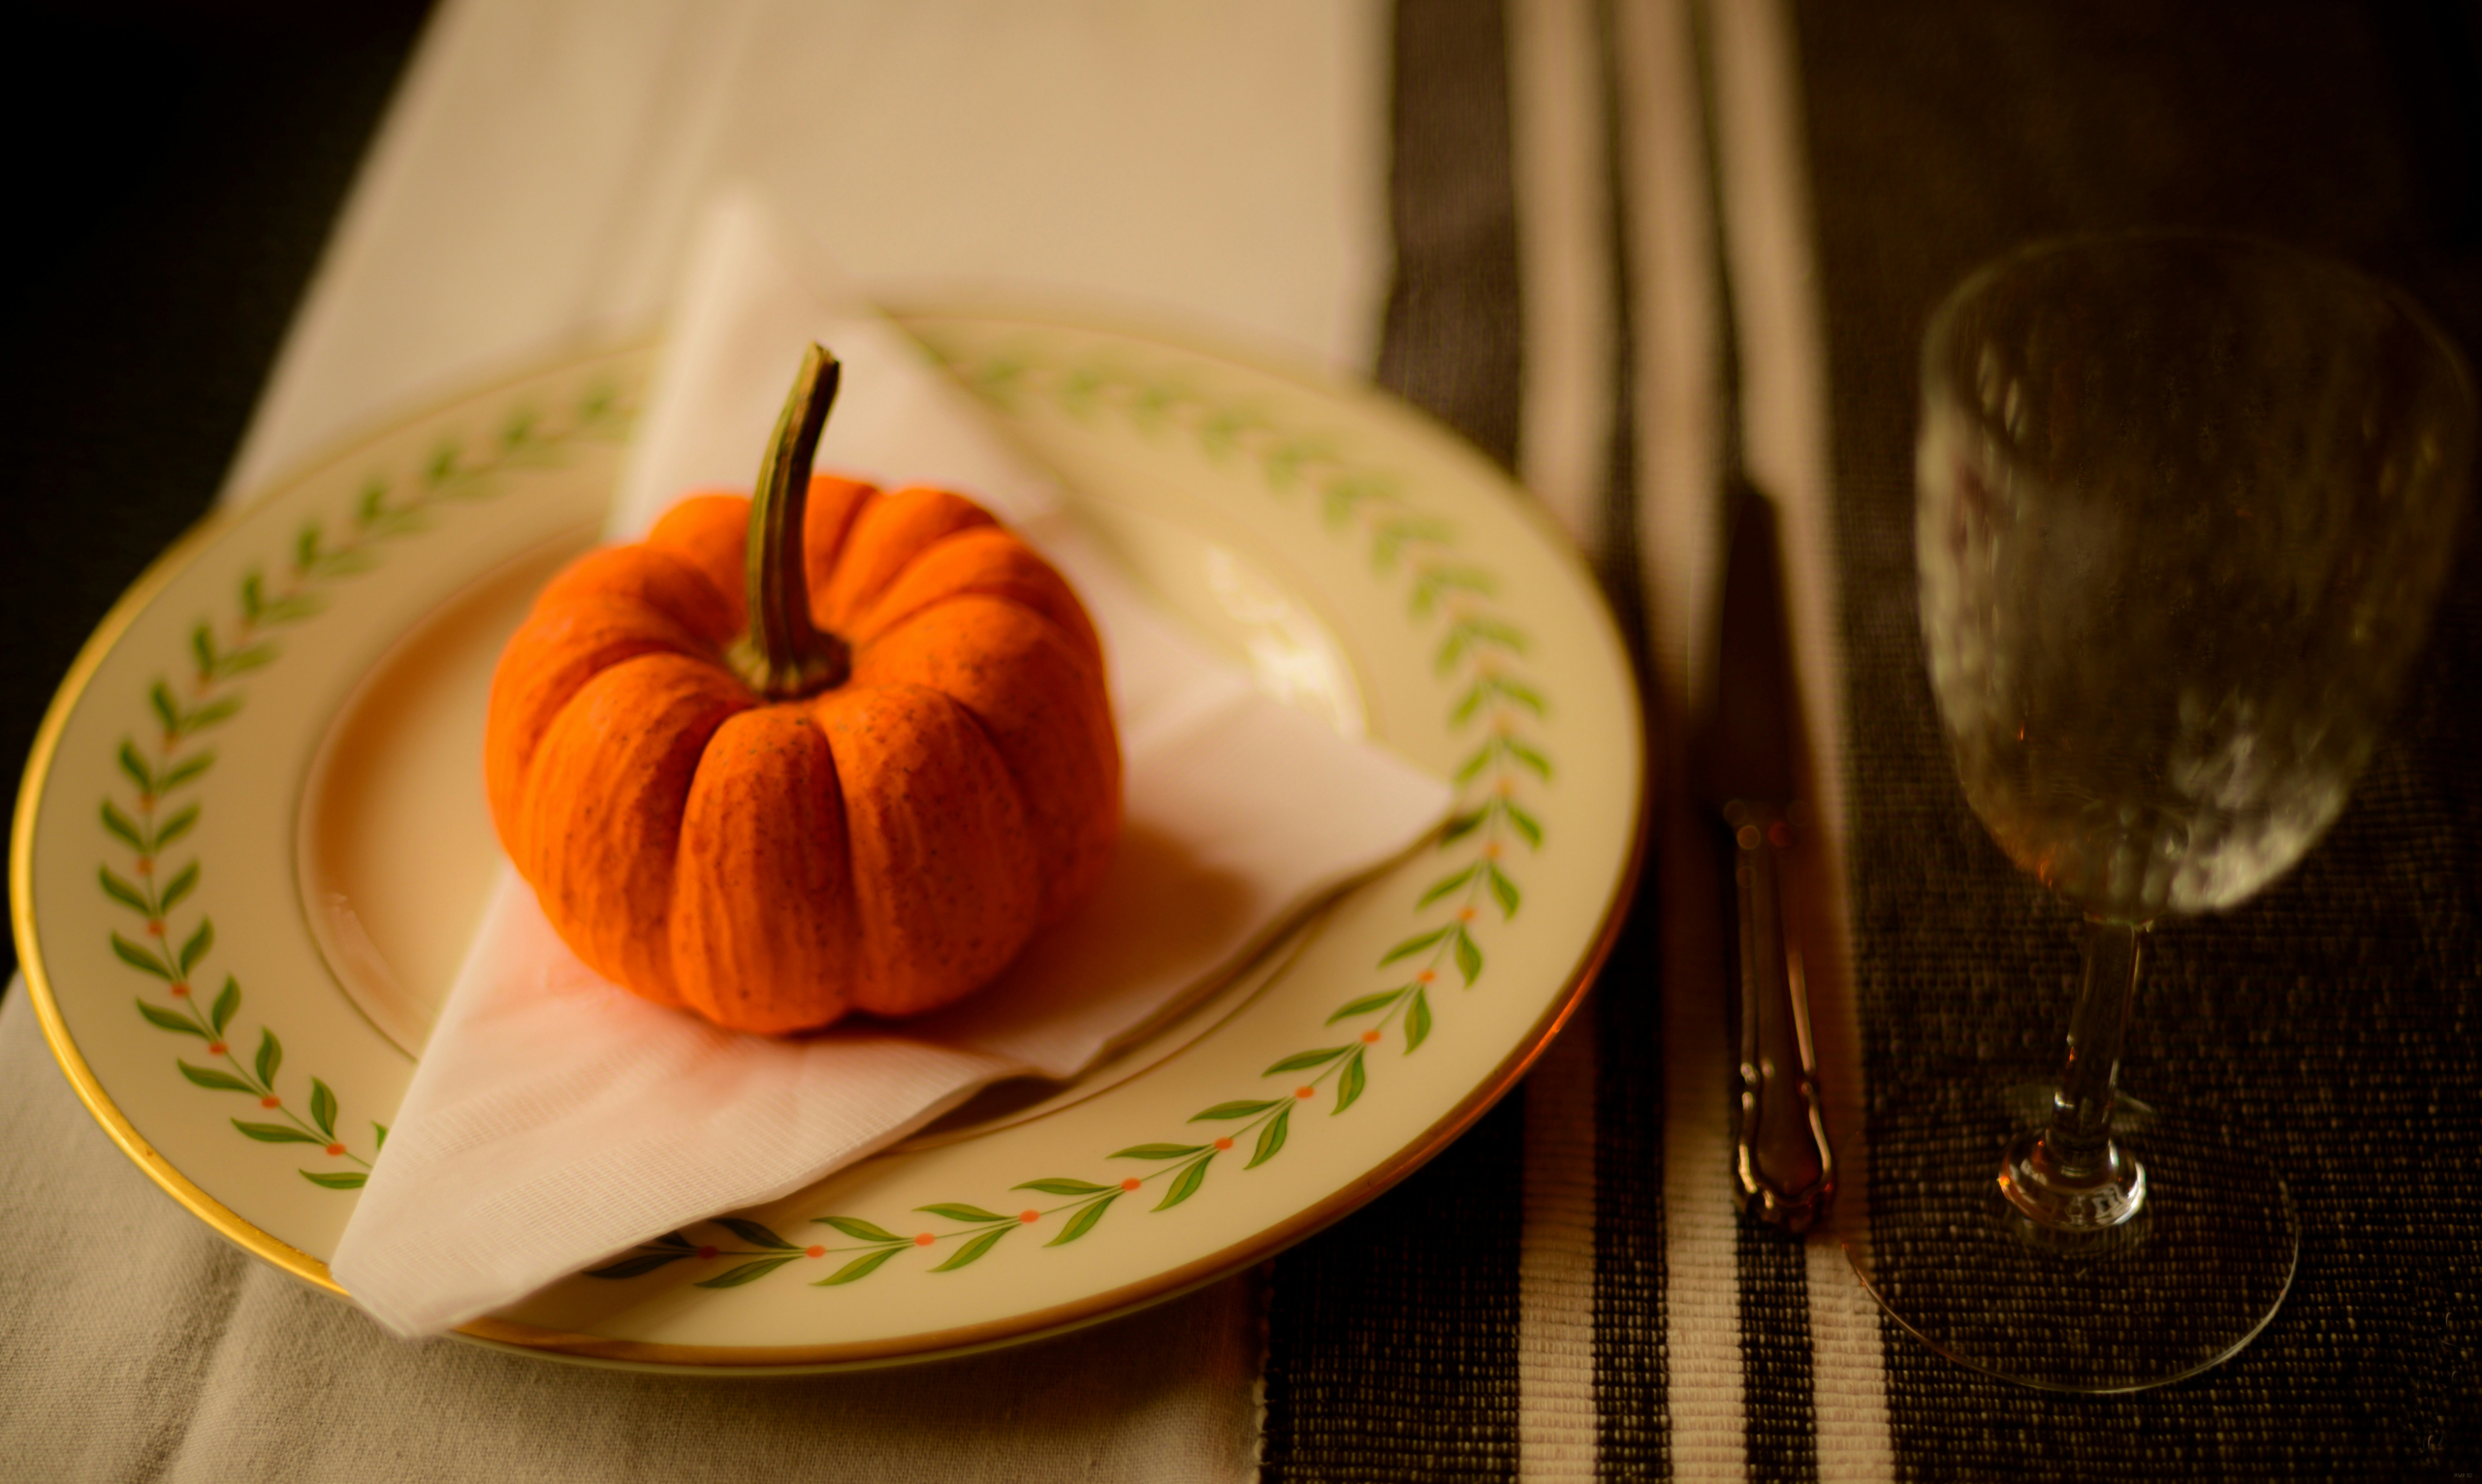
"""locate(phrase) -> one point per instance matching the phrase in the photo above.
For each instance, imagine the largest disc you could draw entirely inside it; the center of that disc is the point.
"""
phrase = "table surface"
(2337, 1013)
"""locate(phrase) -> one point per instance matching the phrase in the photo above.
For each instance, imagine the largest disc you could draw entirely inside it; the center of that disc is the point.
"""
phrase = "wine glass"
(2184, 503)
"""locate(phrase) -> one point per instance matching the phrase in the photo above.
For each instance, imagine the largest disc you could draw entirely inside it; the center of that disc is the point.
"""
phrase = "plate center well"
(396, 850)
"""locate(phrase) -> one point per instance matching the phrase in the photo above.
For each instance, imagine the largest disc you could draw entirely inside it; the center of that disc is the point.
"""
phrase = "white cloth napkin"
(557, 1119)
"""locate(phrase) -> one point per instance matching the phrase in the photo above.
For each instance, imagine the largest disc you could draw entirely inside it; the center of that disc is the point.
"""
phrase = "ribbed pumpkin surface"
(888, 844)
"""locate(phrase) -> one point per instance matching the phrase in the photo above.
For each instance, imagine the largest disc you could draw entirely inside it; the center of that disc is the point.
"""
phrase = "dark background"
(172, 171)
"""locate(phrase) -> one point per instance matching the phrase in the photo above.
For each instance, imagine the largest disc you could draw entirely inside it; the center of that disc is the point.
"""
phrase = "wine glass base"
(2178, 1289)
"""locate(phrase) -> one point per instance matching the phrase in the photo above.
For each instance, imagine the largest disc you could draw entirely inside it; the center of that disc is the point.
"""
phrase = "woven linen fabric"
(1614, 1337)
(2334, 1018)
(142, 1346)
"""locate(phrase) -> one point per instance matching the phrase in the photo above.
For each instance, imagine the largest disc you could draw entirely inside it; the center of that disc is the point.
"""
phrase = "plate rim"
(777, 1360)
(159, 574)
(210, 527)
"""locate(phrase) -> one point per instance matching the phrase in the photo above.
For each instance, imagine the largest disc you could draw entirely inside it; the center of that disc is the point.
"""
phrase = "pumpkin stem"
(784, 654)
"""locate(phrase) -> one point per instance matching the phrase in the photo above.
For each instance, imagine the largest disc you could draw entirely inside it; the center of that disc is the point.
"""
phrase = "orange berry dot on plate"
(180, 989)
(1222, 1144)
(271, 1102)
(923, 1239)
(155, 926)
(1305, 1090)
(1129, 1183)
(1371, 1035)
(1030, 1217)
(816, 1251)
(147, 866)
(1424, 977)
(334, 1150)
(215, 1048)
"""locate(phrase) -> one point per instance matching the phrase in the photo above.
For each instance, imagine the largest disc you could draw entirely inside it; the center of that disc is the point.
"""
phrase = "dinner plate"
(253, 843)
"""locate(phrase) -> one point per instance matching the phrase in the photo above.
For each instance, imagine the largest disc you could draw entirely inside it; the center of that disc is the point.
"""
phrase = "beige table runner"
(532, 188)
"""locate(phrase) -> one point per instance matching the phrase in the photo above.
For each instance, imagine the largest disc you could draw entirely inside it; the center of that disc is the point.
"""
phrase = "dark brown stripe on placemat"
(1392, 1338)
(2336, 1016)
(1391, 1350)
(1779, 1424)
(1632, 1376)
(1454, 340)
(1615, 540)
(1632, 1372)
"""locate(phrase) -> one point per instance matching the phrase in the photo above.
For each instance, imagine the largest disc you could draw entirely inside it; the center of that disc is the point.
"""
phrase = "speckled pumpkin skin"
(887, 845)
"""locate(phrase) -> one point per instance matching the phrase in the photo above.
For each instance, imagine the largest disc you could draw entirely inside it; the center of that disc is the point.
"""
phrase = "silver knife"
(1750, 770)
(1748, 764)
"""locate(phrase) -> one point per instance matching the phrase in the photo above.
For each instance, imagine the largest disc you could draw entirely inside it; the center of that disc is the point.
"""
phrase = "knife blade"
(1783, 1161)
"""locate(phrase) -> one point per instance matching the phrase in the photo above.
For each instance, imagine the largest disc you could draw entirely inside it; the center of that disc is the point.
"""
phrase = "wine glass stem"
(2079, 1136)
(2072, 1177)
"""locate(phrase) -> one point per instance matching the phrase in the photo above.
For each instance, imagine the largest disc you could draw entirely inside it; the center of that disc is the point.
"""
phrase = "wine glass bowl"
(2184, 504)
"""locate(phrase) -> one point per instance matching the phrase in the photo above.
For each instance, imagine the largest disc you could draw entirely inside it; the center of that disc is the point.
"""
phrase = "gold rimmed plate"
(253, 843)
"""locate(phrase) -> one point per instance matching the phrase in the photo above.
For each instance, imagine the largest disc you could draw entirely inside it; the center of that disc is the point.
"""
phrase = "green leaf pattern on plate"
(1478, 654)
(188, 703)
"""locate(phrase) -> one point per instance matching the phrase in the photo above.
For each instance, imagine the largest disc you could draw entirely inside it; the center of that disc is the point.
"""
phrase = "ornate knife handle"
(1785, 1168)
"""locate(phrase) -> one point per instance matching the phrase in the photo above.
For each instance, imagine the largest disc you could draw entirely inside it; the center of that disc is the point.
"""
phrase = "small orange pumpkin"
(861, 784)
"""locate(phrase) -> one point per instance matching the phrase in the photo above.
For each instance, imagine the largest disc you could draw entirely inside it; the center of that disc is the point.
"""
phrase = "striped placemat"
(1566, 1294)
